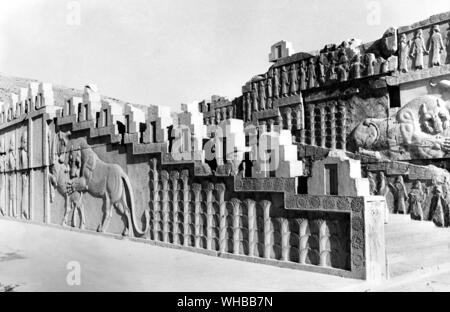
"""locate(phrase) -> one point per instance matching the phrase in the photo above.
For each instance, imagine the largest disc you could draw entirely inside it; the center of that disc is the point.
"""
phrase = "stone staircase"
(413, 246)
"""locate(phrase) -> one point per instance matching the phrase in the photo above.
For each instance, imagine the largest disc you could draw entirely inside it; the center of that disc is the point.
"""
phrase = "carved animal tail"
(129, 193)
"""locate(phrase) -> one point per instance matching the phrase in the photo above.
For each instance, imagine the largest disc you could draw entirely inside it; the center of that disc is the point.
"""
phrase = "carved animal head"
(434, 117)
(61, 144)
(74, 163)
(365, 135)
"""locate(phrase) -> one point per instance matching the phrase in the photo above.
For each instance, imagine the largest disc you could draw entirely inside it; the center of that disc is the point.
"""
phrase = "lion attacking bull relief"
(420, 129)
(86, 172)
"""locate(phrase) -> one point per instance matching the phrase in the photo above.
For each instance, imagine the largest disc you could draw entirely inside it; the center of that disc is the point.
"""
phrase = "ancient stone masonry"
(301, 170)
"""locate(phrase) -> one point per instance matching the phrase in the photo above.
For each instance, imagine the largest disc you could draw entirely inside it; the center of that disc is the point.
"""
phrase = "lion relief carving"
(87, 173)
(420, 129)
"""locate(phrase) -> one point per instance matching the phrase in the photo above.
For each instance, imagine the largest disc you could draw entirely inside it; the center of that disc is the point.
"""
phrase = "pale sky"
(168, 52)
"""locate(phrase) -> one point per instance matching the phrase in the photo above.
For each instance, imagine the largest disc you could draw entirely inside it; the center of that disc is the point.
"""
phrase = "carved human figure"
(23, 157)
(2, 171)
(23, 163)
(248, 103)
(269, 89)
(418, 50)
(416, 197)
(311, 74)
(262, 95)
(357, 66)
(370, 61)
(12, 178)
(436, 46)
(372, 183)
(276, 84)
(302, 76)
(254, 97)
(384, 66)
(437, 205)
(343, 66)
(284, 81)
(382, 184)
(400, 195)
(332, 73)
(321, 70)
(404, 47)
(448, 44)
(293, 80)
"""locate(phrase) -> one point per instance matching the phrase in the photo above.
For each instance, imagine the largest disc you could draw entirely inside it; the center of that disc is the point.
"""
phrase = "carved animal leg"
(107, 216)
(66, 212)
(83, 220)
(129, 228)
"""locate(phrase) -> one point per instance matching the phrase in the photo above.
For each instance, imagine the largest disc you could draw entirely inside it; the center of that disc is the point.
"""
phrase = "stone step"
(413, 248)
(415, 245)
(398, 218)
(413, 228)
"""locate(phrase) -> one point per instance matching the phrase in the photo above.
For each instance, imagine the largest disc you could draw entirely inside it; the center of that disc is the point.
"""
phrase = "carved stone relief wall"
(424, 44)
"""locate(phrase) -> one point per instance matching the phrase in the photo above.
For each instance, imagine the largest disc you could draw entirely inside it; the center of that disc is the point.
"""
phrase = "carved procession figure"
(437, 205)
(311, 74)
(321, 70)
(255, 97)
(2, 172)
(262, 95)
(418, 50)
(284, 82)
(416, 198)
(404, 48)
(293, 80)
(372, 183)
(370, 61)
(302, 76)
(357, 66)
(23, 163)
(331, 74)
(400, 195)
(248, 104)
(269, 89)
(276, 84)
(12, 181)
(343, 66)
(436, 46)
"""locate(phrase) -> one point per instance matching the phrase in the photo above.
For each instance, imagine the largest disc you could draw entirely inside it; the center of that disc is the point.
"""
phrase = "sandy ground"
(40, 258)
(36, 258)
